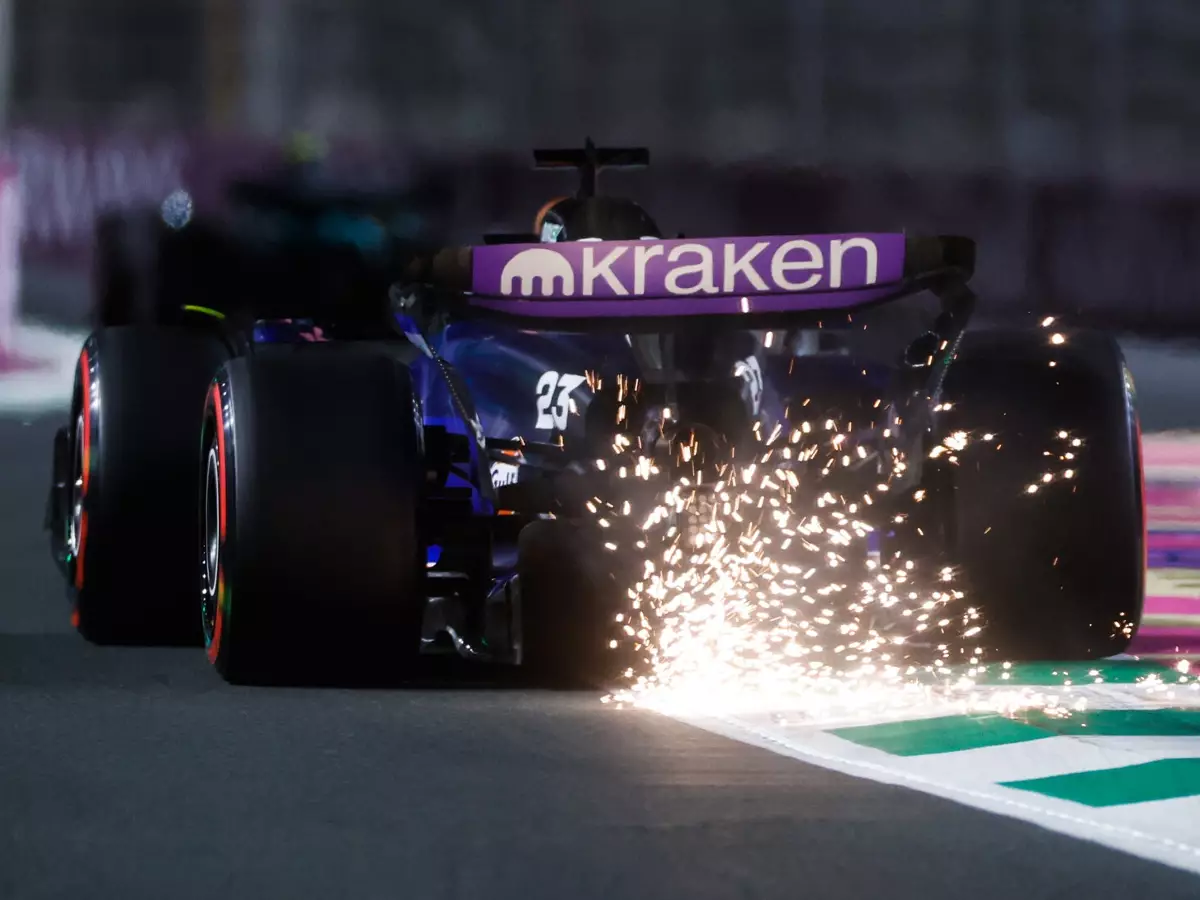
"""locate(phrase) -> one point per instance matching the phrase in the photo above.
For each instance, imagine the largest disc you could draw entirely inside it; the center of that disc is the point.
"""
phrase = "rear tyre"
(126, 525)
(1058, 571)
(311, 564)
(569, 598)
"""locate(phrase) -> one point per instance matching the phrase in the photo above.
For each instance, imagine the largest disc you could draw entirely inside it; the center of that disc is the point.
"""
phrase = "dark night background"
(1062, 135)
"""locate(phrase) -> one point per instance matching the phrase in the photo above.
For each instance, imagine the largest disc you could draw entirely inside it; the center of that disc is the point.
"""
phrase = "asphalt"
(138, 773)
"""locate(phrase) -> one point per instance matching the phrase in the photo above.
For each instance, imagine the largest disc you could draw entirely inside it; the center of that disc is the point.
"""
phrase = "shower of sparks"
(1062, 460)
(748, 597)
(757, 591)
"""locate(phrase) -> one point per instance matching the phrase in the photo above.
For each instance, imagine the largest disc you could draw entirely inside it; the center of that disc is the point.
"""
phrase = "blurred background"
(1063, 135)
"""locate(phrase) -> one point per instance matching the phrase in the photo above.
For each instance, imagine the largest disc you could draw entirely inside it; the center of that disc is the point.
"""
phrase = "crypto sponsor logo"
(537, 271)
(681, 268)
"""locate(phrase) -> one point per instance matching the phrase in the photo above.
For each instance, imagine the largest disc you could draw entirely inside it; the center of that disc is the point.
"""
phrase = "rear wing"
(593, 282)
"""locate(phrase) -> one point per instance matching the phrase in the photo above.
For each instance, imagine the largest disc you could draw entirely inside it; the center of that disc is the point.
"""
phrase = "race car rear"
(336, 516)
(898, 403)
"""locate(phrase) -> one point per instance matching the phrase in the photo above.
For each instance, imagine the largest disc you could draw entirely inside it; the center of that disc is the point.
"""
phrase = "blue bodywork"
(506, 369)
(520, 379)
(503, 367)
(532, 385)
(500, 381)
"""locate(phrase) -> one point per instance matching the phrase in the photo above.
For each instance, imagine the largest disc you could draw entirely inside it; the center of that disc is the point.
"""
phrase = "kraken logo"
(537, 268)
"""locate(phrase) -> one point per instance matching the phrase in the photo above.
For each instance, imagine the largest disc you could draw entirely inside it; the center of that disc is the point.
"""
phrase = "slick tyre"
(311, 566)
(1047, 520)
(129, 522)
(570, 592)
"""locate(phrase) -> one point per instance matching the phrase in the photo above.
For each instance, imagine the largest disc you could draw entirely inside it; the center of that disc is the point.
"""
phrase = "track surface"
(137, 773)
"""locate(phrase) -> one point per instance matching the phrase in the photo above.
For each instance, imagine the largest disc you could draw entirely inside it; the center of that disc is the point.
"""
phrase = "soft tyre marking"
(216, 394)
(86, 400)
(214, 645)
(85, 367)
(83, 530)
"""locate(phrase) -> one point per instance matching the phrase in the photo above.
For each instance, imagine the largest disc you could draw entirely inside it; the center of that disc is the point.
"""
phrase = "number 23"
(554, 399)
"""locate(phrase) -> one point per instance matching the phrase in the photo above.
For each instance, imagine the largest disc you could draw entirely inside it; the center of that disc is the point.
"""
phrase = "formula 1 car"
(422, 487)
(296, 230)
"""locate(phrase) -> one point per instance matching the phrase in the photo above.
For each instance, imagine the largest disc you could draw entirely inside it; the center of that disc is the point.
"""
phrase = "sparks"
(758, 589)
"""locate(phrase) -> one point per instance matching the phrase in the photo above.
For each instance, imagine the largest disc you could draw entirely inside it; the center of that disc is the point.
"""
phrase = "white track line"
(1103, 826)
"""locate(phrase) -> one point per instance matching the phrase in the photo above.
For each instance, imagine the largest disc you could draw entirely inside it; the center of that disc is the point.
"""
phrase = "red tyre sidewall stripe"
(83, 530)
(86, 401)
(214, 646)
(85, 366)
(223, 517)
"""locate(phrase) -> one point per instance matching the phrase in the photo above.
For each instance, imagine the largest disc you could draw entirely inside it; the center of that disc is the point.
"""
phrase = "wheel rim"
(211, 549)
(75, 519)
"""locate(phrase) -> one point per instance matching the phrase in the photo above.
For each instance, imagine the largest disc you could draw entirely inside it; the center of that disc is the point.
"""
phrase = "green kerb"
(951, 734)
(1164, 779)
(945, 734)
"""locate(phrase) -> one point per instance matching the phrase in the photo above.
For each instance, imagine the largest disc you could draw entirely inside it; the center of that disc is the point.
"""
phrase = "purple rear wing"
(703, 277)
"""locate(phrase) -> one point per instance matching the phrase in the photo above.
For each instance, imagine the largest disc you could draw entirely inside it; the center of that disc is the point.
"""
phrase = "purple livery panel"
(688, 276)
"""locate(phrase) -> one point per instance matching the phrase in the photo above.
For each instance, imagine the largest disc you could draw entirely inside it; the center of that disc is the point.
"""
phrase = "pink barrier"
(1173, 495)
(1172, 448)
(1173, 606)
(1173, 507)
(1173, 541)
(1171, 451)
